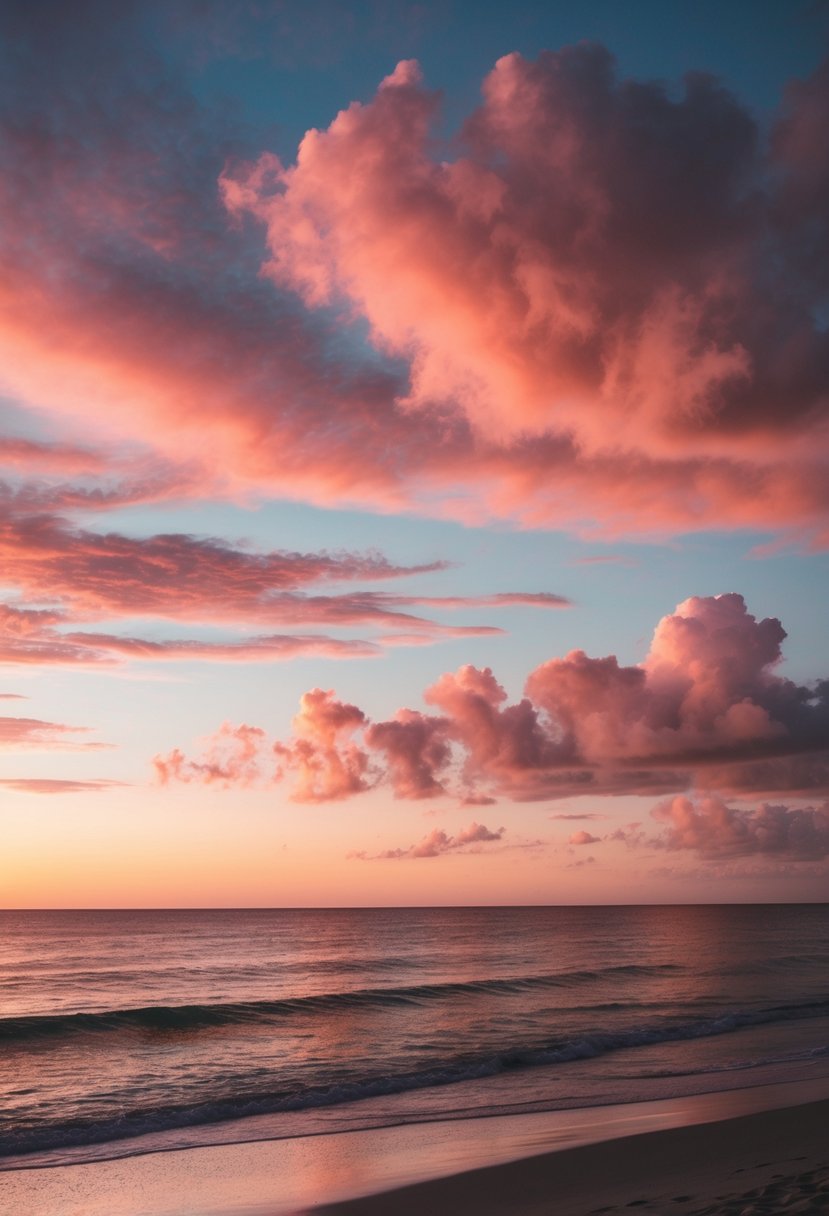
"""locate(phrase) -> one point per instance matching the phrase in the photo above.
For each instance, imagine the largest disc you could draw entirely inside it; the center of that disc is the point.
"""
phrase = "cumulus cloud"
(415, 749)
(499, 740)
(326, 764)
(592, 257)
(705, 708)
(232, 757)
(555, 280)
(712, 829)
(706, 687)
(583, 838)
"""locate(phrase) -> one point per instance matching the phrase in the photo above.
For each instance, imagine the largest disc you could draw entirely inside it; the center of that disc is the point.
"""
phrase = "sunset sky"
(415, 453)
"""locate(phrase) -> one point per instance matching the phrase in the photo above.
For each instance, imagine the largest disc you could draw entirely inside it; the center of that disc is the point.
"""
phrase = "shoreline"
(432, 1167)
(701, 1170)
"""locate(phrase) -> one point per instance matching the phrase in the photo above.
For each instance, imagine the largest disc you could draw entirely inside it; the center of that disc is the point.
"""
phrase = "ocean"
(124, 1032)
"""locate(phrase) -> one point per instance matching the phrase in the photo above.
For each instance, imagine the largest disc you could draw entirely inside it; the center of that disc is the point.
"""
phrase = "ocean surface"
(138, 1031)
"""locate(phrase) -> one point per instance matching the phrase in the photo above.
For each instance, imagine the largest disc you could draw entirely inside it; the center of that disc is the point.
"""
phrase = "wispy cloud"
(56, 785)
(33, 733)
(436, 843)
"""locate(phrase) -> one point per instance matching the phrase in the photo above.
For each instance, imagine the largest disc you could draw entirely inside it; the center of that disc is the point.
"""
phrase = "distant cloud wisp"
(436, 843)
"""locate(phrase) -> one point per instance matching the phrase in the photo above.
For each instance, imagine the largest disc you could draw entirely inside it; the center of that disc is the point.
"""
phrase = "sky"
(414, 445)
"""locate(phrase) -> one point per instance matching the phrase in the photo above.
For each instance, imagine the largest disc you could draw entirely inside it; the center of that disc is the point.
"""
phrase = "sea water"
(135, 1031)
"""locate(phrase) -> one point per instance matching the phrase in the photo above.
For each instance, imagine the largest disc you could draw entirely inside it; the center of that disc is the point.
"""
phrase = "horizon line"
(797, 903)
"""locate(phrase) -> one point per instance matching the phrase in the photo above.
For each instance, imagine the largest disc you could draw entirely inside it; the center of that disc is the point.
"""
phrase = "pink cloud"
(29, 454)
(712, 829)
(183, 577)
(704, 708)
(326, 764)
(17, 733)
(85, 575)
(498, 741)
(232, 757)
(119, 482)
(268, 647)
(587, 340)
(476, 798)
(707, 686)
(57, 785)
(502, 599)
(555, 282)
(791, 775)
(583, 838)
(437, 842)
(29, 636)
(415, 750)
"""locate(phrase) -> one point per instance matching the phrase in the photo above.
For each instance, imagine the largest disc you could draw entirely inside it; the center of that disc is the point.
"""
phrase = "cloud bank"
(601, 306)
(706, 709)
(713, 830)
(633, 282)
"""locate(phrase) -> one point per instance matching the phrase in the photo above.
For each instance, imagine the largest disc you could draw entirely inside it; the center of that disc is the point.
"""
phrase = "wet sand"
(757, 1165)
(708, 1161)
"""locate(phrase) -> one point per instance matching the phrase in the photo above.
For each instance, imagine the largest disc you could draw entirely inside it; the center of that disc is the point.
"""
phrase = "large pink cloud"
(605, 268)
(499, 741)
(705, 708)
(599, 309)
(706, 686)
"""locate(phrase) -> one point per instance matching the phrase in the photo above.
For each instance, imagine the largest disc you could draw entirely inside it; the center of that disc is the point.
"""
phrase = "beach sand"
(756, 1165)
(707, 1161)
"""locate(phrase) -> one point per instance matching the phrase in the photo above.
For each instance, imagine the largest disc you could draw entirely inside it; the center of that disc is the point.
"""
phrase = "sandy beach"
(757, 1165)
(688, 1156)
